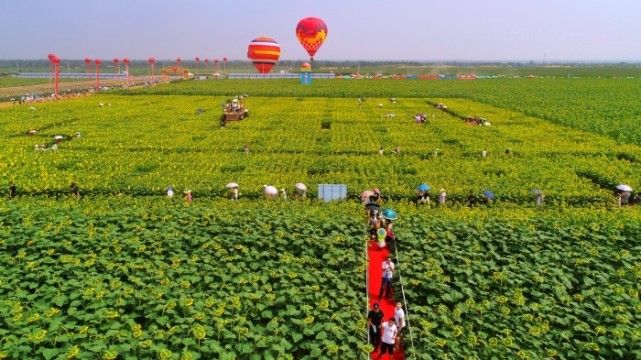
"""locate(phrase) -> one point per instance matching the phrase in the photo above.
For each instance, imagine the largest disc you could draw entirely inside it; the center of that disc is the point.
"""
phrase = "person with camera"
(388, 274)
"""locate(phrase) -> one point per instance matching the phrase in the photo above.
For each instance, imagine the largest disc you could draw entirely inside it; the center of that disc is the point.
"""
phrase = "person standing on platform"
(381, 234)
(389, 236)
(399, 316)
(374, 322)
(390, 332)
(388, 274)
(374, 224)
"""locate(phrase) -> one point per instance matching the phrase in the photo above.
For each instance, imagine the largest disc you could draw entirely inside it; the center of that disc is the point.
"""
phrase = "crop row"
(604, 106)
(142, 144)
(178, 281)
(537, 289)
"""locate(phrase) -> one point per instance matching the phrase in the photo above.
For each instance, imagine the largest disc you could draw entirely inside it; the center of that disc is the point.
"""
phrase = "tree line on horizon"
(17, 66)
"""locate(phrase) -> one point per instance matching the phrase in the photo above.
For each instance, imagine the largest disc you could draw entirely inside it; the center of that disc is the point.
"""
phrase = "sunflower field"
(124, 272)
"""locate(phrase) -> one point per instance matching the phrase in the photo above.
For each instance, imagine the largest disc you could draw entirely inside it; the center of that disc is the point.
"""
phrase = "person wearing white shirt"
(390, 332)
(441, 197)
(399, 316)
(386, 282)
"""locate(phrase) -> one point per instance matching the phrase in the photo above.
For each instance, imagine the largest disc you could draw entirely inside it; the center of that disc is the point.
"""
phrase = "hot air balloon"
(311, 33)
(264, 52)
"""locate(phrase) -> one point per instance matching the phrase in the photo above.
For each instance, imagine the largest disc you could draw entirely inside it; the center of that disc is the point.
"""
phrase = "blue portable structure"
(329, 192)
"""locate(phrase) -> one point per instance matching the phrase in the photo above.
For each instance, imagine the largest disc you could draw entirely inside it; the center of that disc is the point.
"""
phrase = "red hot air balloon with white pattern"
(264, 52)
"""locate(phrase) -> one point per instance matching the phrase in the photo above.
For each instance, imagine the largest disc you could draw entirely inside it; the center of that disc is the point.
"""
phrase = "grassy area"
(14, 81)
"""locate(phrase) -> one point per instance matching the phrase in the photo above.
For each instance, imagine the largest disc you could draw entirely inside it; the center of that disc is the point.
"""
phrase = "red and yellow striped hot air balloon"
(264, 52)
(311, 33)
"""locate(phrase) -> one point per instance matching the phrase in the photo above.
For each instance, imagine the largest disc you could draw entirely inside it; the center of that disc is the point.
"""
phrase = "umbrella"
(231, 185)
(372, 206)
(536, 191)
(423, 187)
(623, 187)
(301, 186)
(489, 194)
(58, 137)
(389, 214)
(270, 190)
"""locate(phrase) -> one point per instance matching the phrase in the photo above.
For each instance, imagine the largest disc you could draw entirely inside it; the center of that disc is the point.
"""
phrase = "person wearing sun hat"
(374, 322)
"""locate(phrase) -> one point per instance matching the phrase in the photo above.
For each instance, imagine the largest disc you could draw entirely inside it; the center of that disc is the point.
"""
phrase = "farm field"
(144, 276)
(600, 105)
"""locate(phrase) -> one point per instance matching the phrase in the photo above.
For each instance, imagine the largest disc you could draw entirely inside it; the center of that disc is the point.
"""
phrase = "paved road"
(46, 90)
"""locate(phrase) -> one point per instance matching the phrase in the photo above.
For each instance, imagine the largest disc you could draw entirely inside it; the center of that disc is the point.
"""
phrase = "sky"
(376, 30)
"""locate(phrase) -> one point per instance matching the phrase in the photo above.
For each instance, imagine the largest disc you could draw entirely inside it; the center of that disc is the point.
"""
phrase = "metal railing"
(367, 291)
(407, 315)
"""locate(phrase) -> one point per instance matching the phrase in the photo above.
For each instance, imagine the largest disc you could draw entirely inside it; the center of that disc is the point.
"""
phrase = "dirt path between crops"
(76, 88)
(35, 103)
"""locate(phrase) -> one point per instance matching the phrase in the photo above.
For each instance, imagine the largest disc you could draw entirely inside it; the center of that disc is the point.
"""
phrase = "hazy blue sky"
(524, 30)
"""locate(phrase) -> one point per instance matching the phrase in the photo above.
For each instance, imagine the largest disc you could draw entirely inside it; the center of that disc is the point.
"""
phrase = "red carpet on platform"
(376, 257)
